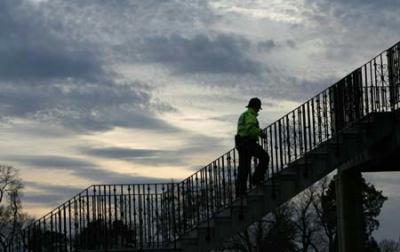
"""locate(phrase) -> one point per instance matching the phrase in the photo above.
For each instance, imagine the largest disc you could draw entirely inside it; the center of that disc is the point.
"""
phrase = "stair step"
(348, 134)
(224, 214)
(291, 174)
(319, 152)
(239, 203)
(256, 193)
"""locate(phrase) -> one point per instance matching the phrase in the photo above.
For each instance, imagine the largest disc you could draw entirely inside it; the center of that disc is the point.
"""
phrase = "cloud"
(47, 74)
(350, 29)
(221, 53)
(266, 45)
(54, 162)
(82, 168)
(84, 106)
(124, 153)
(361, 4)
(47, 195)
(150, 157)
(31, 50)
(193, 145)
(298, 89)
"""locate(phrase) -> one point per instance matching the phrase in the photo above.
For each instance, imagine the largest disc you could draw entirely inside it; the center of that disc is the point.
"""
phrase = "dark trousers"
(247, 149)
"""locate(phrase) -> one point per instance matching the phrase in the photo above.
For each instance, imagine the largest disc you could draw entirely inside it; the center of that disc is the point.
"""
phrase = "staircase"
(352, 124)
(348, 150)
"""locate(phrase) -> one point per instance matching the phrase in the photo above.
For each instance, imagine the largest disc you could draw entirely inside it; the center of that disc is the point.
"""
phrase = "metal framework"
(156, 215)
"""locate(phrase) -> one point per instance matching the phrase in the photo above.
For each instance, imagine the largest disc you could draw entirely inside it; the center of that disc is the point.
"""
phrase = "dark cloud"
(266, 46)
(350, 29)
(222, 53)
(34, 63)
(194, 145)
(281, 84)
(124, 17)
(123, 153)
(84, 106)
(54, 162)
(51, 188)
(82, 168)
(30, 48)
(360, 4)
(291, 43)
(150, 157)
(47, 74)
(299, 89)
(48, 195)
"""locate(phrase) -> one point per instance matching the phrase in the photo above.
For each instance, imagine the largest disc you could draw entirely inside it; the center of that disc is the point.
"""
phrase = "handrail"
(367, 89)
(154, 215)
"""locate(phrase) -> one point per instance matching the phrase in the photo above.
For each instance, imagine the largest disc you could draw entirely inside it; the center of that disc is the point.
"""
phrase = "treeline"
(308, 223)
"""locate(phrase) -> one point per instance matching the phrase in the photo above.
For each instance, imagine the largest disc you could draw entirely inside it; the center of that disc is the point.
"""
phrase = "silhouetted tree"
(372, 202)
(309, 232)
(325, 209)
(100, 235)
(11, 216)
(40, 240)
(281, 231)
(308, 222)
(387, 245)
(275, 232)
(93, 236)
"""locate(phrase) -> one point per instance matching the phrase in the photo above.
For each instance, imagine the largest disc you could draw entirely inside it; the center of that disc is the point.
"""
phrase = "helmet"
(254, 103)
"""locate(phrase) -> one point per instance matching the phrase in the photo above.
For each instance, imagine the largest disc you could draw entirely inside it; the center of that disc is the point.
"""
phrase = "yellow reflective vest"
(248, 125)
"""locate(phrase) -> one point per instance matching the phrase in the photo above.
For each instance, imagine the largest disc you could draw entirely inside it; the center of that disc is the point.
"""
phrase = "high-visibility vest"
(248, 125)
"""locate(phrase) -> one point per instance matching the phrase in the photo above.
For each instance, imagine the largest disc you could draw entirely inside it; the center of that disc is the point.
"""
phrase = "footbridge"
(351, 127)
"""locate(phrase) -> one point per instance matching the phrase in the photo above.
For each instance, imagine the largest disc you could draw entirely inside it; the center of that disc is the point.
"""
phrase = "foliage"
(46, 241)
(325, 208)
(100, 234)
(372, 202)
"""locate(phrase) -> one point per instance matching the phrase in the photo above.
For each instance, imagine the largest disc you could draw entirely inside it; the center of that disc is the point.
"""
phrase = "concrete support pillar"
(349, 211)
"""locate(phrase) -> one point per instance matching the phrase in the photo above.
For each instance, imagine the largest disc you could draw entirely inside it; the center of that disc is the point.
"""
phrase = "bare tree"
(388, 245)
(274, 232)
(10, 206)
(325, 211)
(308, 223)
(306, 219)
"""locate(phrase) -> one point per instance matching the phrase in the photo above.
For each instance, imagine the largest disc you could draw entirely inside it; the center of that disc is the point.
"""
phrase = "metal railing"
(156, 215)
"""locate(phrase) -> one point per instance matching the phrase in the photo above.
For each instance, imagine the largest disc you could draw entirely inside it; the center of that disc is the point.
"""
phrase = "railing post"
(392, 54)
(349, 211)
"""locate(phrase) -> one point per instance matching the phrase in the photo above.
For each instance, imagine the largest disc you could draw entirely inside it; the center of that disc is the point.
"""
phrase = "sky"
(118, 91)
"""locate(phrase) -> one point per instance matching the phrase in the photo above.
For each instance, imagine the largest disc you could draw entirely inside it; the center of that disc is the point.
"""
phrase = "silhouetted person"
(246, 141)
